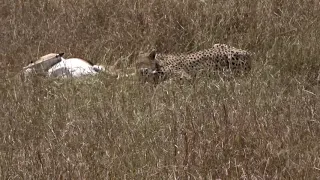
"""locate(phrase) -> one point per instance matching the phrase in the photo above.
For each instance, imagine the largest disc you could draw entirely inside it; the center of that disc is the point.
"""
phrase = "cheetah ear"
(152, 54)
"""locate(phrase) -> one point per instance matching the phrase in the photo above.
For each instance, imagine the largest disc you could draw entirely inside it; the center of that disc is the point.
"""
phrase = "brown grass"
(264, 126)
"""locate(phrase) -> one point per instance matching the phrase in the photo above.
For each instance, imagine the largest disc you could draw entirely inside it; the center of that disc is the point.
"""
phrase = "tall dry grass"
(264, 126)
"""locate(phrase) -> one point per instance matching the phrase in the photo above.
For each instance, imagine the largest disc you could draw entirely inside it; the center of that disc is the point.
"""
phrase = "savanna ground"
(263, 126)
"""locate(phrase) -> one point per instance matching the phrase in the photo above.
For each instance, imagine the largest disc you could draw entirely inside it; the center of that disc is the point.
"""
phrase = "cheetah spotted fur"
(153, 67)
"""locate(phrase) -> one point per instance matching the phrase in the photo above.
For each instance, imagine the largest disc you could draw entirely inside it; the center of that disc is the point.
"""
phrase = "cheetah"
(153, 67)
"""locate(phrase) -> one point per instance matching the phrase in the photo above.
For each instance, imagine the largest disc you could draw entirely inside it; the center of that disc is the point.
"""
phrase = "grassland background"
(264, 126)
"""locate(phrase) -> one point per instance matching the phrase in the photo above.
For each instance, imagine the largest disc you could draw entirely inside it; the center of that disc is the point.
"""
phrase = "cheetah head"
(151, 76)
(148, 60)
